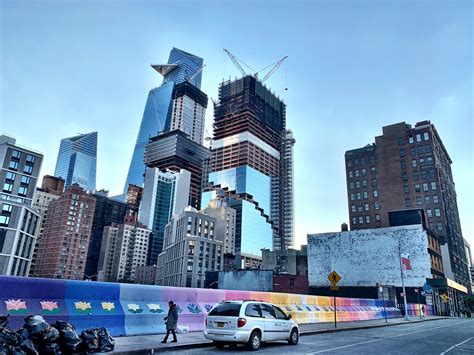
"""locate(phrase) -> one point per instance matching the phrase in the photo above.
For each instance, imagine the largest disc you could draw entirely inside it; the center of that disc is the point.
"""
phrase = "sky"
(70, 67)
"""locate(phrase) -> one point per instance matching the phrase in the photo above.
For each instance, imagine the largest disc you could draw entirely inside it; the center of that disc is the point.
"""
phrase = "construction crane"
(237, 62)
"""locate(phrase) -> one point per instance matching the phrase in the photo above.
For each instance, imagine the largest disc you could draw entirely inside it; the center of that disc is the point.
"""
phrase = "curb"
(208, 344)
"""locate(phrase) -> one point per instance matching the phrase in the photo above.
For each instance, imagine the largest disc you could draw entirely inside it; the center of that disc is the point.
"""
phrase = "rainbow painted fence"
(128, 309)
(414, 309)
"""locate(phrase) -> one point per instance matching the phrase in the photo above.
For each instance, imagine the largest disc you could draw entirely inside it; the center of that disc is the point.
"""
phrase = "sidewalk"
(143, 344)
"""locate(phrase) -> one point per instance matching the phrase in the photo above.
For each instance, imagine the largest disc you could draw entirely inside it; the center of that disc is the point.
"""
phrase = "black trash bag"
(4, 349)
(3, 321)
(106, 342)
(69, 340)
(9, 337)
(90, 340)
(26, 344)
(16, 351)
(50, 349)
(40, 330)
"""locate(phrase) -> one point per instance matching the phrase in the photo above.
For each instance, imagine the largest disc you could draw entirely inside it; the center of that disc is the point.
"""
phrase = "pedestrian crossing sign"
(334, 278)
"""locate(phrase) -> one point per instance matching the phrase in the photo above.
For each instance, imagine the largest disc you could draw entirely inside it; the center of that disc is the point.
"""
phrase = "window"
(22, 191)
(412, 151)
(406, 189)
(25, 180)
(410, 139)
(373, 170)
(425, 186)
(416, 176)
(226, 309)
(364, 183)
(358, 195)
(7, 187)
(401, 141)
(422, 161)
(403, 164)
(407, 202)
(429, 161)
(432, 173)
(356, 161)
(366, 206)
(377, 217)
(4, 220)
(423, 174)
(354, 220)
(356, 173)
(376, 193)
(419, 201)
(437, 212)
(401, 152)
(418, 137)
(361, 220)
(427, 200)
(350, 173)
(426, 136)
(253, 310)
(349, 163)
(413, 163)
(7, 208)
(417, 188)
(351, 184)
(30, 158)
(364, 172)
(13, 165)
(16, 154)
(352, 197)
(358, 184)
(10, 176)
(353, 208)
(28, 169)
(359, 208)
(267, 311)
(429, 212)
(279, 313)
(362, 161)
(367, 219)
(439, 226)
(404, 177)
(376, 205)
(433, 185)
(435, 199)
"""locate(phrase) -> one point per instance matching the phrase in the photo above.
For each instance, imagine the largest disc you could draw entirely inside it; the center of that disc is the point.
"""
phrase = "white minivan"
(249, 322)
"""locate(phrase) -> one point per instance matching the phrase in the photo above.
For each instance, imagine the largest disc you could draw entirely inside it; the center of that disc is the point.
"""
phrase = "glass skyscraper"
(157, 116)
(77, 161)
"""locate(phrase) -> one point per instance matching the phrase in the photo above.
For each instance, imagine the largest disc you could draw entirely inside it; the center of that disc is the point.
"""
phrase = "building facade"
(225, 223)
(190, 249)
(246, 163)
(19, 222)
(106, 212)
(408, 167)
(168, 106)
(165, 194)
(124, 248)
(63, 247)
(77, 161)
(288, 261)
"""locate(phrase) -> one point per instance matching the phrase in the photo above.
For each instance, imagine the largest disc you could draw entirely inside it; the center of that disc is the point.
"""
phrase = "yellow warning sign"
(334, 278)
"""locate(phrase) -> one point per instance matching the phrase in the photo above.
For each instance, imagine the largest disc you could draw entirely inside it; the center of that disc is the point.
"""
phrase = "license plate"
(220, 324)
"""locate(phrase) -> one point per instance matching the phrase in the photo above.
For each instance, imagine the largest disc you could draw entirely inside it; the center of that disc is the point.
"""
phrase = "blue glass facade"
(157, 114)
(77, 160)
(253, 229)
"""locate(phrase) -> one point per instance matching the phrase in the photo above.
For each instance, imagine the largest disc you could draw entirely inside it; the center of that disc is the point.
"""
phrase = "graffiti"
(193, 308)
(108, 306)
(50, 307)
(154, 308)
(16, 306)
(134, 308)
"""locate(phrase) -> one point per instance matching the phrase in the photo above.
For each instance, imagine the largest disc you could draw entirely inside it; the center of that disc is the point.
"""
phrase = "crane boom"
(275, 67)
(235, 61)
(196, 73)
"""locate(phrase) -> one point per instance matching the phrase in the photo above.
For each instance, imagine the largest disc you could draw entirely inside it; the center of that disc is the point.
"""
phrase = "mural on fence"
(128, 309)
(414, 309)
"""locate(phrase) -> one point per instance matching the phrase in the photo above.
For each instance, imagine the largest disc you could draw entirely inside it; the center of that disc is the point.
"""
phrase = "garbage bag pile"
(38, 337)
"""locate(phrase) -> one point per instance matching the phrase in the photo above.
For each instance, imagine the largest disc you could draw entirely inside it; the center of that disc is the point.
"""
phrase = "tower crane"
(237, 62)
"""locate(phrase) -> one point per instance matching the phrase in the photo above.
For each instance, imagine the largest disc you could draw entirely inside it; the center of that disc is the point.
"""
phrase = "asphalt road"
(452, 336)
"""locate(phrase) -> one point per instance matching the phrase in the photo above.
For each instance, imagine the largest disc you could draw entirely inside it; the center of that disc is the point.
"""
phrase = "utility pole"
(403, 281)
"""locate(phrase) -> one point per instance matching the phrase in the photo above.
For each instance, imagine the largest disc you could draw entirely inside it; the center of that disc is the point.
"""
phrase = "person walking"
(171, 322)
(423, 311)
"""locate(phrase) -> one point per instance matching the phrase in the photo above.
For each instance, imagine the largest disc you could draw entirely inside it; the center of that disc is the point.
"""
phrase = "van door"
(254, 316)
(284, 324)
(271, 322)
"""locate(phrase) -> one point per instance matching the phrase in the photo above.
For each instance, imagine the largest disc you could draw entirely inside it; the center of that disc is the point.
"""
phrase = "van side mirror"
(288, 316)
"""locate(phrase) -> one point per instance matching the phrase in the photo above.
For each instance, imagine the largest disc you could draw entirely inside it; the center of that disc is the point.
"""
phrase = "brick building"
(408, 167)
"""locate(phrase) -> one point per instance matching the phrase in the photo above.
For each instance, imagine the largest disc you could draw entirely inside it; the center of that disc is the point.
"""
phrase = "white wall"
(365, 257)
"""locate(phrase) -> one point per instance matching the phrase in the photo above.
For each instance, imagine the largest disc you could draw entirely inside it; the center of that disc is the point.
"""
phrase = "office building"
(249, 133)
(190, 249)
(77, 161)
(124, 248)
(63, 247)
(225, 222)
(177, 104)
(106, 212)
(408, 167)
(287, 211)
(19, 222)
(165, 194)
(134, 197)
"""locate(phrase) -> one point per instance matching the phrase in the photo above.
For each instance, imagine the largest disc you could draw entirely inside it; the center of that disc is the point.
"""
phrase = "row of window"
(365, 207)
(365, 195)
(17, 155)
(361, 161)
(362, 172)
(8, 187)
(361, 219)
(357, 184)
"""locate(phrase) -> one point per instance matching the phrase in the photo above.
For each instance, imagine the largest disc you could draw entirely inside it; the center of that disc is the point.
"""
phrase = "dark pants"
(168, 331)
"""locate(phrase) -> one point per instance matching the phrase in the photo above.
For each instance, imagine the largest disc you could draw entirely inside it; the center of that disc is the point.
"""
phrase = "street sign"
(427, 288)
(429, 299)
(334, 278)
(444, 298)
(334, 288)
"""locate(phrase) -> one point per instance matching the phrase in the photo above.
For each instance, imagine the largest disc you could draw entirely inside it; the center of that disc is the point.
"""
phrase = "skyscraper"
(408, 167)
(77, 160)
(247, 148)
(165, 194)
(19, 222)
(287, 210)
(170, 106)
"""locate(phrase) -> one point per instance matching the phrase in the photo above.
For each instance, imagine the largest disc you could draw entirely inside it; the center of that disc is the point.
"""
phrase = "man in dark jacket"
(171, 322)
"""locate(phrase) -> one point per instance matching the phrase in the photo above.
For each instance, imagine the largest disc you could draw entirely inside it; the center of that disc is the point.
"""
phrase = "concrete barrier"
(129, 309)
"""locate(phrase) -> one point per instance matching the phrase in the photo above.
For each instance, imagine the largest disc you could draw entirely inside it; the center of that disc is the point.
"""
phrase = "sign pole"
(403, 281)
(335, 317)
(419, 305)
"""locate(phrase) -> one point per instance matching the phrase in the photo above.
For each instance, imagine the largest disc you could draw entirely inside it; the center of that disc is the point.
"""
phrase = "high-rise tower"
(408, 167)
(77, 161)
(177, 104)
(247, 148)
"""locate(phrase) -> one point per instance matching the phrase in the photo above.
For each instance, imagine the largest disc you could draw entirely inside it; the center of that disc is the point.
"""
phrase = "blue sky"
(71, 67)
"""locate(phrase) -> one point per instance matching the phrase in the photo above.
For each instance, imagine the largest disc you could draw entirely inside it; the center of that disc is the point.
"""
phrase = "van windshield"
(226, 309)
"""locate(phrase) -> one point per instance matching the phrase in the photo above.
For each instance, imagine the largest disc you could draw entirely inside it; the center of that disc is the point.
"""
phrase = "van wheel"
(219, 344)
(255, 341)
(294, 337)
